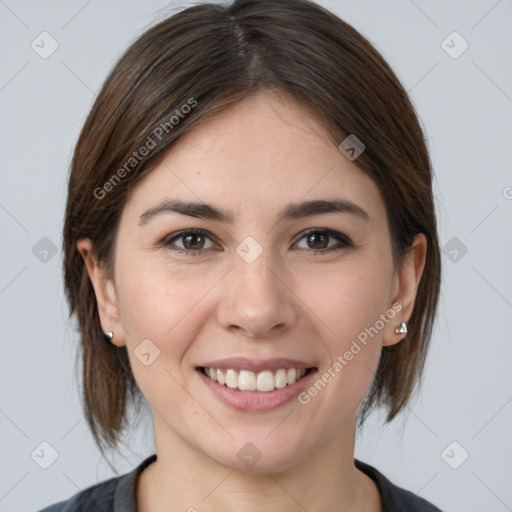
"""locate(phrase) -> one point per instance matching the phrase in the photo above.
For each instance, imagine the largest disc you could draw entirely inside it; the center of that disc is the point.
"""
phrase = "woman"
(250, 244)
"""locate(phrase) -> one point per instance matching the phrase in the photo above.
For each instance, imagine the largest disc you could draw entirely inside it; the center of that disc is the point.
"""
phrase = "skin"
(293, 301)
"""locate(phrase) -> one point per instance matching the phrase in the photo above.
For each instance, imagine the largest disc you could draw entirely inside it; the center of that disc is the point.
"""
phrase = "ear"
(104, 289)
(405, 287)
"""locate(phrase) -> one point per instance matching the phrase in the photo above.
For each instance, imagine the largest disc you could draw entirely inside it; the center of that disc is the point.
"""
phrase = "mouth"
(263, 381)
(251, 386)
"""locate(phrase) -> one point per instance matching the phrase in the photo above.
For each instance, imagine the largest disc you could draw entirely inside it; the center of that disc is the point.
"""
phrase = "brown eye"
(317, 240)
(320, 240)
(193, 242)
(189, 241)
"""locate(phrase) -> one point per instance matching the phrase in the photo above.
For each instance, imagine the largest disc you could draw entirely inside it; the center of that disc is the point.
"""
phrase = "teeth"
(266, 381)
(245, 380)
(231, 379)
(281, 379)
(291, 376)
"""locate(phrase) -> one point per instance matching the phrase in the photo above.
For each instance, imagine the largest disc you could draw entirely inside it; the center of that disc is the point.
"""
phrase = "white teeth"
(266, 381)
(231, 379)
(245, 380)
(281, 380)
(291, 376)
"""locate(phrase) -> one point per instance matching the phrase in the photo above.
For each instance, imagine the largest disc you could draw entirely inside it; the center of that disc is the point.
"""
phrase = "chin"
(258, 455)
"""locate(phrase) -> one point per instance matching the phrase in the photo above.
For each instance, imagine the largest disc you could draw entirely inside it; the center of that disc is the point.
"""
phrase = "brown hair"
(208, 57)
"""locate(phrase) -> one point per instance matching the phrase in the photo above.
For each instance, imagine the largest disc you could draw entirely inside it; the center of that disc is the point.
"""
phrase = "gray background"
(465, 104)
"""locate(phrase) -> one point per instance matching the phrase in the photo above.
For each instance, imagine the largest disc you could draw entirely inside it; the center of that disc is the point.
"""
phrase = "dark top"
(119, 494)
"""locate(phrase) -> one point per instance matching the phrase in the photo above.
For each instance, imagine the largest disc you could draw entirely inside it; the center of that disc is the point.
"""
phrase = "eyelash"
(342, 239)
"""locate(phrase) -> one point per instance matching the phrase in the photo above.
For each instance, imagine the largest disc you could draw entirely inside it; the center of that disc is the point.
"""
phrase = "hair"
(210, 56)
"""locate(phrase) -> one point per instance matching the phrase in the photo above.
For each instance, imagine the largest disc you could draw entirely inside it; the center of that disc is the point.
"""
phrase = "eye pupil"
(189, 239)
(318, 238)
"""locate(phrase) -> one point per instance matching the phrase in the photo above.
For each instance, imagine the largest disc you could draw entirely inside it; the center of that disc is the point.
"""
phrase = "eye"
(194, 241)
(319, 239)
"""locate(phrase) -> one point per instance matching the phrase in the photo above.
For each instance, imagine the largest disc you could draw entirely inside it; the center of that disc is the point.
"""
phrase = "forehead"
(257, 155)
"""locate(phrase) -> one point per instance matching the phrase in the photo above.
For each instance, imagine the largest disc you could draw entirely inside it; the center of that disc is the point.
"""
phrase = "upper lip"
(242, 363)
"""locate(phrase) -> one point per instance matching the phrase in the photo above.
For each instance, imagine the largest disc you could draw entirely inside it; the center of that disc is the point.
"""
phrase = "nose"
(256, 300)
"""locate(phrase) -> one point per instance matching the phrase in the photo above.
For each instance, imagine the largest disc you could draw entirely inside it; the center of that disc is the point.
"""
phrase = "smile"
(263, 381)
(257, 386)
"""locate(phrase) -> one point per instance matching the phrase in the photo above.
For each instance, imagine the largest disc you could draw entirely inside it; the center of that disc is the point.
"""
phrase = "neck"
(185, 479)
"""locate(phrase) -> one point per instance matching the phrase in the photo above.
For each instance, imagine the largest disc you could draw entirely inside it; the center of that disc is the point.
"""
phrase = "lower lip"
(257, 401)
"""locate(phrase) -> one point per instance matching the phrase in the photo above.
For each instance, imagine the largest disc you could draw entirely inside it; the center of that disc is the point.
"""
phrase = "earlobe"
(104, 290)
(405, 287)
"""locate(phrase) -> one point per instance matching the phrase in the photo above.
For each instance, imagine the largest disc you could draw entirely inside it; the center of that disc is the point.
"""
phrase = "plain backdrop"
(453, 446)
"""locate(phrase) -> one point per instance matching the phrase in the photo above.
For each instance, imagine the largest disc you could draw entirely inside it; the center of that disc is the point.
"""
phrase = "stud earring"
(402, 329)
(109, 334)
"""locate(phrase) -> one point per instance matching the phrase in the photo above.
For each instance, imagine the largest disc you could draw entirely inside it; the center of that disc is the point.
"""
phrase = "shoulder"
(99, 497)
(394, 498)
(115, 494)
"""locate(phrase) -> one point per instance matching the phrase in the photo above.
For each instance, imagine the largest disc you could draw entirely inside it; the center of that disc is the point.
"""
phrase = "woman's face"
(255, 295)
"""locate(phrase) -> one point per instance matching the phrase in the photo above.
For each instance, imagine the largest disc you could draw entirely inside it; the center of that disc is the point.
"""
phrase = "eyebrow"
(290, 212)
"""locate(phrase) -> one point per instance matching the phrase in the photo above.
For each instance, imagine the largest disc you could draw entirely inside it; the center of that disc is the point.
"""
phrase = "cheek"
(158, 302)
(349, 300)
(161, 312)
(349, 305)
